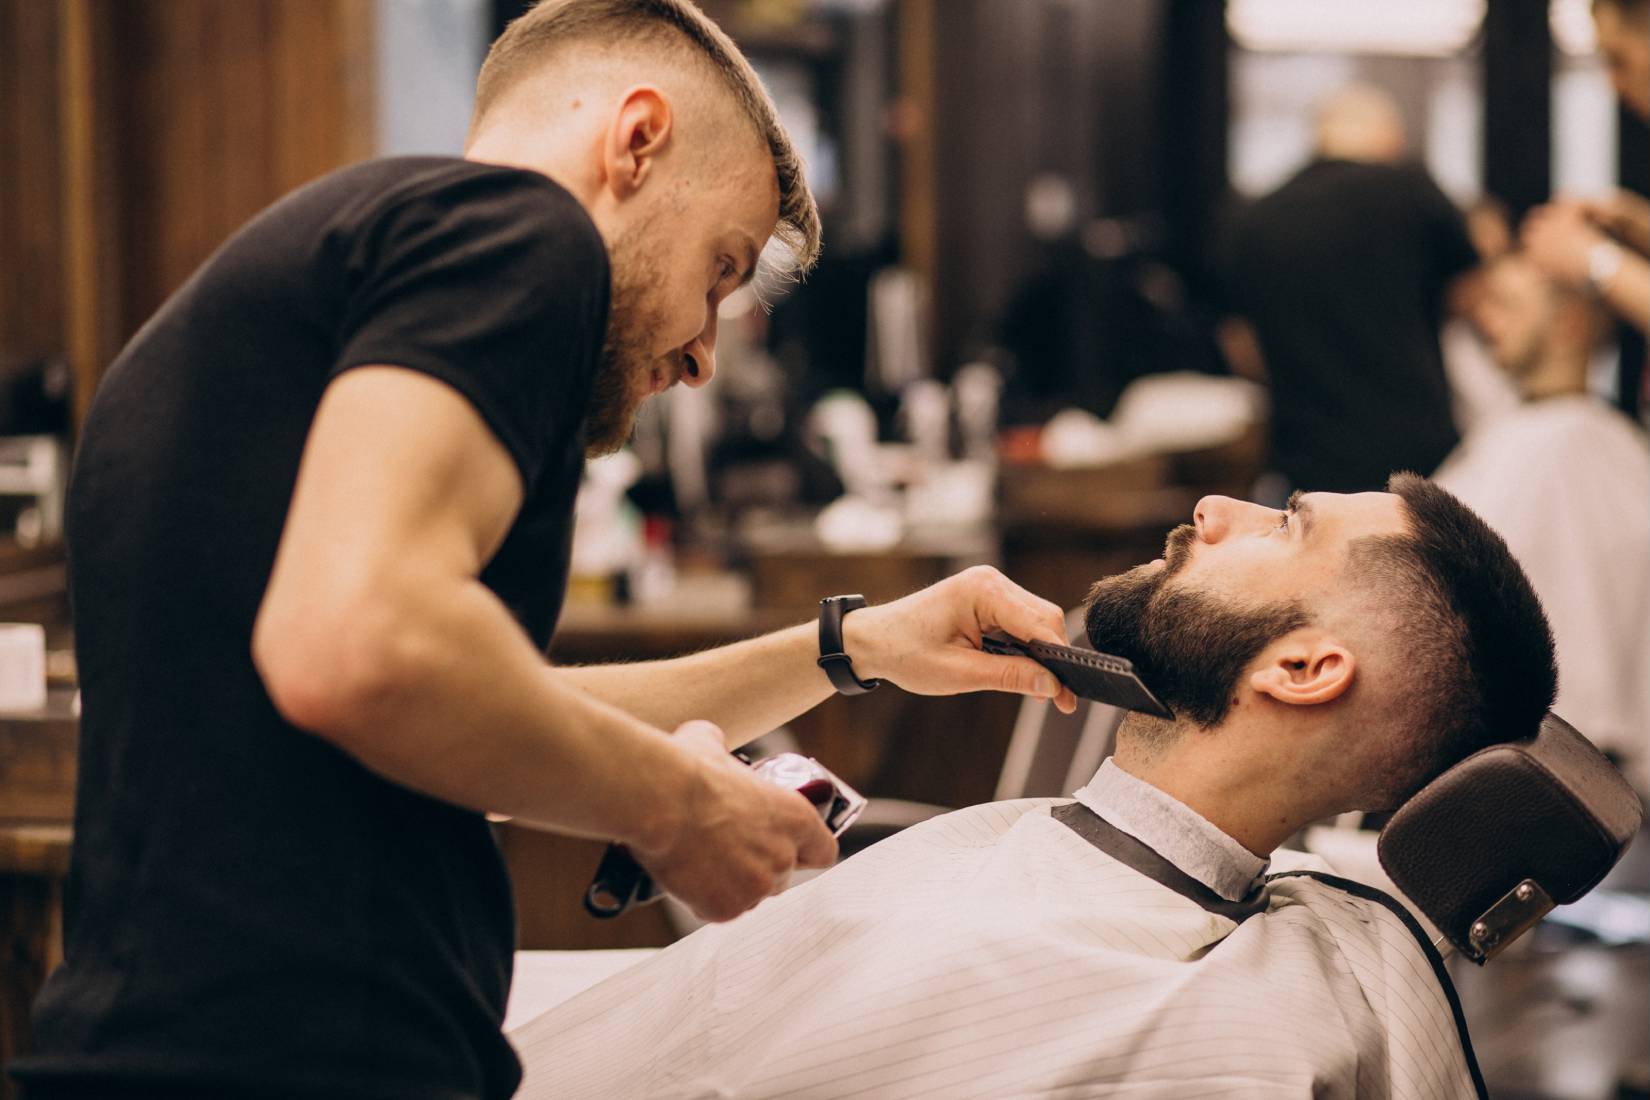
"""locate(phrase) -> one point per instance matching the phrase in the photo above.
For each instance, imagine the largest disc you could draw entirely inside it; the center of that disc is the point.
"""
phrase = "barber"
(318, 539)
(1603, 245)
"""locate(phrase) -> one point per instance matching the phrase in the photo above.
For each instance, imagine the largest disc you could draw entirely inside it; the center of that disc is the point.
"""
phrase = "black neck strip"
(1133, 853)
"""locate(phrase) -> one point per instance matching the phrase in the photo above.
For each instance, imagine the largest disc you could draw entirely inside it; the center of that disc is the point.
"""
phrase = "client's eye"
(1283, 523)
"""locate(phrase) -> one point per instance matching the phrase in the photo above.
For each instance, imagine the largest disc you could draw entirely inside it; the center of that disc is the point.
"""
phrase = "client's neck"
(1558, 374)
(1247, 798)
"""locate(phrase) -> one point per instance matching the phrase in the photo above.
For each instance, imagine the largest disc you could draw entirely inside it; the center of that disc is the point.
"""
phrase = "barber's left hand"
(929, 642)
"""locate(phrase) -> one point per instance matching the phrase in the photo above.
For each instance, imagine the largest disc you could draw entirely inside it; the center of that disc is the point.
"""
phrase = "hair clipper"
(620, 882)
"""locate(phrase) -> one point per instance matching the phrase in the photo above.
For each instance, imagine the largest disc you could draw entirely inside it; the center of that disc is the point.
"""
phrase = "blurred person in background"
(1341, 277)
(1479, 389)
(1565, 479)
(1602, 245)
(1489, 227)
(1623, 28)
(1598, 246)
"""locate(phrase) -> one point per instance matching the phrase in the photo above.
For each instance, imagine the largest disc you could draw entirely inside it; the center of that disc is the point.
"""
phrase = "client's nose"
(1212, 518)
(1217, 518)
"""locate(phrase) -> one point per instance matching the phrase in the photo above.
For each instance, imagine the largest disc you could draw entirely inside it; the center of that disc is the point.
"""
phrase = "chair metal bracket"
(1516, 913)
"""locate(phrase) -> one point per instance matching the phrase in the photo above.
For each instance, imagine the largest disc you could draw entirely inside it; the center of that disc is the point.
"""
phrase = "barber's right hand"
(1624, 215)
(739, 837)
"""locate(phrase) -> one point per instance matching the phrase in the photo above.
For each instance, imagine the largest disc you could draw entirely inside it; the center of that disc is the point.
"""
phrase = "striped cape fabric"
(998, 951)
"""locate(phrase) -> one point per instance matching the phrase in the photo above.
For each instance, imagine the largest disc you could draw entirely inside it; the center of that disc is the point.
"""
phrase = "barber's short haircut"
(1477, 638)
(534, 39)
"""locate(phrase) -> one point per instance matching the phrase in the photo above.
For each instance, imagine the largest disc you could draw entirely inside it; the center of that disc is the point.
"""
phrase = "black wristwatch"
(837, 664)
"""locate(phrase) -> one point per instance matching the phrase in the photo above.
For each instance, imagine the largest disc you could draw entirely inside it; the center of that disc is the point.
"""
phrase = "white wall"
(429, 52)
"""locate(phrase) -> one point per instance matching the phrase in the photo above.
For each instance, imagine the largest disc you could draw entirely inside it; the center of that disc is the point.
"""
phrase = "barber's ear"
(1305, 668)
(639, 131)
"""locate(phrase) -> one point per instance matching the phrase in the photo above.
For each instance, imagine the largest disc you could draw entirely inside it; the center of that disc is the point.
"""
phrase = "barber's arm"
(926, 643)
(1562, 240)
(376, 635)
(1624, 215)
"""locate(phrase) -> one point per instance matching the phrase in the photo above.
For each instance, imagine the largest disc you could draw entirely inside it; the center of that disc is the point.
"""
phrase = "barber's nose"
(700, 355)
(1217, 518)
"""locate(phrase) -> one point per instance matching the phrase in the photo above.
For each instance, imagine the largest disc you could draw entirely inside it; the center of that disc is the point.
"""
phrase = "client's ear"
(1304, 668)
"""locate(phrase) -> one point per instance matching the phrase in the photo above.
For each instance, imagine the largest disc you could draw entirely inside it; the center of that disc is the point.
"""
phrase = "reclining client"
(1331, 657)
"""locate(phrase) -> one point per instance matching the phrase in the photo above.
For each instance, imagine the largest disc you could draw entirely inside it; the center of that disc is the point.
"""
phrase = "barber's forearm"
(457, 705)
(927, 642)
(1628, 292)
(747, 688)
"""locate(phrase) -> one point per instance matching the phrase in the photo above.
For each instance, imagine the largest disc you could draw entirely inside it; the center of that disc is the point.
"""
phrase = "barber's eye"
(726, 270)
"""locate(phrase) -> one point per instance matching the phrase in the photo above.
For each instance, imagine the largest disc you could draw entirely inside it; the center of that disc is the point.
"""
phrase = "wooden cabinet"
(37, 775)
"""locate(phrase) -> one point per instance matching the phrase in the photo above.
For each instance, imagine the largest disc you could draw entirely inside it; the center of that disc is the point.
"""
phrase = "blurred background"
(1086, 261)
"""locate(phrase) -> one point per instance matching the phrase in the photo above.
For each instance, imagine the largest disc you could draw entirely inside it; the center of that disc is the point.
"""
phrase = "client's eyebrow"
(1302, 509)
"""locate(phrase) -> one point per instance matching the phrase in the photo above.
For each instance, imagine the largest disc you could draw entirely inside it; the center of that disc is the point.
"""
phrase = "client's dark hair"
(1477, 633)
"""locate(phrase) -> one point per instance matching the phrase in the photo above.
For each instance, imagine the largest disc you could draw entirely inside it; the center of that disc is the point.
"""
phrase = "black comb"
(1098, 676)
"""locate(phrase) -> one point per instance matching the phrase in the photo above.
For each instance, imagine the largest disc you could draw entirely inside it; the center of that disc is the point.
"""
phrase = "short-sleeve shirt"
(1342, 272)
(250, 911)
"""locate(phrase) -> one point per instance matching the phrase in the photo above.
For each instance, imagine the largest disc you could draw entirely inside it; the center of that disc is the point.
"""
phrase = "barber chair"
(1492, 845)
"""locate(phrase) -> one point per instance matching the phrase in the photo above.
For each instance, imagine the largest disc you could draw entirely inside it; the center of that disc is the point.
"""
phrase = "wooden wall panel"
(185, 118)
(93, 218)
(31, 291)
(230, 106)
(918, 183)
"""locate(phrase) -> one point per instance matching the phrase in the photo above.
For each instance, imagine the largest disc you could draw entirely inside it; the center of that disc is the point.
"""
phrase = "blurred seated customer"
(1342, 274)
(1565, 479)
(1479, 389)
(1335, 656)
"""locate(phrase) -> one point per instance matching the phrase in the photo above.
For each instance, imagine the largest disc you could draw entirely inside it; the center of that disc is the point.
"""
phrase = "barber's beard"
(633, 320)
(1189, 647)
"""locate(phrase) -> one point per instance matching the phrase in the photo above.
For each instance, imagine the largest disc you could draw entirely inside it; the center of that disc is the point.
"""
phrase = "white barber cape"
(1566, 481)
(1022, 949)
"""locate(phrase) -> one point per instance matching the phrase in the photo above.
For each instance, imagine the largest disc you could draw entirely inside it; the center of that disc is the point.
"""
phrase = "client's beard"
(632, 320)
(1187, 646)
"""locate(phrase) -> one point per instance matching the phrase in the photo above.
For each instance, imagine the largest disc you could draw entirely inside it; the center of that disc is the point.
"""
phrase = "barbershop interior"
(1091, 271)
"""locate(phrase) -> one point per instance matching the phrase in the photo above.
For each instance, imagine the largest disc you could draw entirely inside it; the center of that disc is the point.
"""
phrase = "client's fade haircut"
(533, 40)
(1477, 634)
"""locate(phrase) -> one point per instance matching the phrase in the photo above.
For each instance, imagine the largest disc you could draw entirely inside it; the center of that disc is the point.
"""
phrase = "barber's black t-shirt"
(1342, 273)
(250, 911)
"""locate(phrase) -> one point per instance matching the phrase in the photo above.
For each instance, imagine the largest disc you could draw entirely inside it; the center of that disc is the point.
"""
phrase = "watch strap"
(832, 657)
(1604, 259)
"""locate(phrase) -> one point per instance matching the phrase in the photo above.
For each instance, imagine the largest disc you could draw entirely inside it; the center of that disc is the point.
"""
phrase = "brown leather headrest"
(1492, 844)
